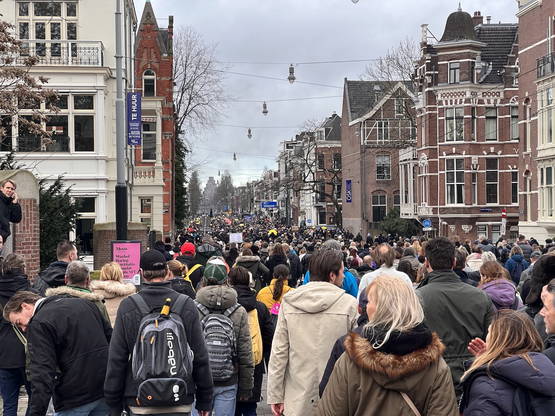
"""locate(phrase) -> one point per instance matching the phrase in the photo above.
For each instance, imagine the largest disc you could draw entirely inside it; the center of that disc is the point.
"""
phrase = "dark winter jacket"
(256, 267)
(295, 269)
(9, 212)
(516, 265)
(12, 352)
(457, 312)
(82, 293)
(272, 262)
(526, 250)
(185, 287)
(52, 276)
(161, 247)
(463, 275)
(205, 251)
(190, 261)
(492, 394)
(503, 294)
(219, 298)
(120, 389)
(246, 297)
(68, 356)
(550, 347)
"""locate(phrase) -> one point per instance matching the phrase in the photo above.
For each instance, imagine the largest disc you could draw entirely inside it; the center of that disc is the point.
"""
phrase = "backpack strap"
(140, 303)
(202, 309)
(229, 311)
(179, 304)
(192, 270)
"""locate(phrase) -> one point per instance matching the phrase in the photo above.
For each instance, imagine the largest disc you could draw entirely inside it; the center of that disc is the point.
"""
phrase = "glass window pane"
(85, 204)
(71, 10)
(5, 133)
(460, 164)
(84, 233)
(146, 206)
(450, 177)
(84, 133)
(55, 31)
(449, 113)
(549, 176)
(24, 9)
(450, 163)
(47, 8)
(58, 127)
(491, 164)
(83, 102)
(27, 139)
(24, 31)
(60, 103)
(72, 31)
(40, 31)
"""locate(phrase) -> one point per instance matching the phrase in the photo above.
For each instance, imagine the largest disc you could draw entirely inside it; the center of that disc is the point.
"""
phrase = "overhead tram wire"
(276, 78)
(294, 62)
(239, 100)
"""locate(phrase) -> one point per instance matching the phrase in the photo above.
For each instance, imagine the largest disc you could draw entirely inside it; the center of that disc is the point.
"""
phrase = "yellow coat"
(266, 294)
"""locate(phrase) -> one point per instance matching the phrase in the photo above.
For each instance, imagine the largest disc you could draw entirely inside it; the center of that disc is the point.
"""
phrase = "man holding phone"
(10, 210)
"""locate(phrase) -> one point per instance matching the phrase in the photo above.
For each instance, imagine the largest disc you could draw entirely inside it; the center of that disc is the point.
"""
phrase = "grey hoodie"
(219, 298)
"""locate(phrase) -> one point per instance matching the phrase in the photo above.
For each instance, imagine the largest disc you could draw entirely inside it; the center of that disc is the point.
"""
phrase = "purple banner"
(348, 191)
(134, 118)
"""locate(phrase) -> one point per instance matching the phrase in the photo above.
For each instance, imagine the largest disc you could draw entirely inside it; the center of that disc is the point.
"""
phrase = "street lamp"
(291, 78)
(249, 133)
(265, 108)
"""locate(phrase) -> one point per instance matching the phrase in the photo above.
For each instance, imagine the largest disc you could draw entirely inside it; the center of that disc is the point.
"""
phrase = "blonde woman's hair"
(488, 256)
(490, 271)
(177, 268)
(111, 271)
(397, 308)
(511, 334)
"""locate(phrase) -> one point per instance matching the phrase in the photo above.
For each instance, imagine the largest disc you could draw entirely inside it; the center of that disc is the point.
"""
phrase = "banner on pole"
(134, 118)
(348, 190)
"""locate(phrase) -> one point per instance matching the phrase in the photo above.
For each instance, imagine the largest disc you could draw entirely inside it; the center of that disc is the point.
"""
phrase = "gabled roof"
(149, 18)
(499, 40)
(333, 126)
(363, 96)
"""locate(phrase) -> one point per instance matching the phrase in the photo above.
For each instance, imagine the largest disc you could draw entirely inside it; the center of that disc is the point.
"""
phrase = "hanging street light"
(249, 133)
(234, 156)
(291, 78)
(355, 1)
(265, 108)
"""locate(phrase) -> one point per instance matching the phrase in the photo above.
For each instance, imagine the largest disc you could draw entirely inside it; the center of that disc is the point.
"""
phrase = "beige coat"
(367, 382)
(113, 293)
(310, 320)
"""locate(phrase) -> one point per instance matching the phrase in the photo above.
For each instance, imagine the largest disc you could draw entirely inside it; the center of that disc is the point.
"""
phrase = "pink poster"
(128, 255)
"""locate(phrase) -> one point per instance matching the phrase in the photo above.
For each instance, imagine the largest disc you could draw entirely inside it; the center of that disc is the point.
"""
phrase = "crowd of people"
(340, 325)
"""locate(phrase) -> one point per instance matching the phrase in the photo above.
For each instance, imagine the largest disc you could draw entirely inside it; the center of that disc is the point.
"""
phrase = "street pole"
(121, 186)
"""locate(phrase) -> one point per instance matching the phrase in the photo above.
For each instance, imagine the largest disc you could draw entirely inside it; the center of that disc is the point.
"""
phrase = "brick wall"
(104, 234)
(26, 236)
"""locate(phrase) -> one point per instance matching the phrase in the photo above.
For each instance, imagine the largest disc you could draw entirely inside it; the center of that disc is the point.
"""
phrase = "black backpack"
(162, 361)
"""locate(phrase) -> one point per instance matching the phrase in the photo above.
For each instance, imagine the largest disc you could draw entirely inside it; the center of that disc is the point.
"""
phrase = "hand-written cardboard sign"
(128, 255)
(235, 237)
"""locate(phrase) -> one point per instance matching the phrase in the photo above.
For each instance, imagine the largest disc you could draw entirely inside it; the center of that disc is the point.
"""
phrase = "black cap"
(153, 260)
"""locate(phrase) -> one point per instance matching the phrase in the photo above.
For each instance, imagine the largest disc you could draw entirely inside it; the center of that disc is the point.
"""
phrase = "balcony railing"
(63, 52)
(545, 65)
(144, 175)
(425, 211)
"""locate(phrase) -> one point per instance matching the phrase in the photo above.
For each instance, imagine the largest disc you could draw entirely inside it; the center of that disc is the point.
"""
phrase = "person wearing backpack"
(261, 331)
(509, 376)
(158, 315)
(516, 264)
(225, 326)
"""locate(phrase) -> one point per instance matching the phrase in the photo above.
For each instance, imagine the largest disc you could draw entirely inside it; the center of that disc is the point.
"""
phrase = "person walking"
(12, 354)
(495, 281)
(516, 264)
(271, 296)
(121, 388)
(179, 278)
(54, 275)
(456, 311)
(278, 256)
(112, 288)
(299, 351)
(255, 266)
(394, 365)
(510, 375)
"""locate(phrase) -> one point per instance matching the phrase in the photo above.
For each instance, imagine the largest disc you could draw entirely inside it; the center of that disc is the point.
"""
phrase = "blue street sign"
(269, 204)
(427, 223)
(134, 118)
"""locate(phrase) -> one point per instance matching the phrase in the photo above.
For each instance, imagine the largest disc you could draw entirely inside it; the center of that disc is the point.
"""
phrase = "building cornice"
(529, 6)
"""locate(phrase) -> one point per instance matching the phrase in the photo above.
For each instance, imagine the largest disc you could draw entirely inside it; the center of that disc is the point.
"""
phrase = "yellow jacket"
(266, 294)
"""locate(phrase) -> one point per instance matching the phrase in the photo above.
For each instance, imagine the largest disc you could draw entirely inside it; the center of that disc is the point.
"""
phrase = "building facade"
(378, 120)
(79, 61)
(537, 147)
(466, 161)
(152, 179)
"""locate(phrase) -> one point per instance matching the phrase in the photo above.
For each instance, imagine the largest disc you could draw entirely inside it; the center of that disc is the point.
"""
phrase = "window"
(321, 161)
(85, 204)
(337, 161)
(454, 179)
(321, 217)
(5, 133)
(27, 141)
(379, 207)
(495, 232)
(149, 141)
(83, 102)
(58, 127)
(397, 201)
(149, 83)
(60, 102)
(383, 130)
(84, 133)
(321, 192)
(549, 191)
(454, 72)
(23, 9)
(338, 191)
(146, 205)
(492, 181)
(491, 124)
(399, 107)
(84, 224)
(383, 167)
(50, 8)
(454, 124)
(71, 9)
(474, 188)
(24, 30)
(514, 187)
(514, 123)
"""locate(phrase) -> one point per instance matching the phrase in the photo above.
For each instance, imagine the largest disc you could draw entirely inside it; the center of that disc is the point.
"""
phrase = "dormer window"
(149, 83)
(454, 72)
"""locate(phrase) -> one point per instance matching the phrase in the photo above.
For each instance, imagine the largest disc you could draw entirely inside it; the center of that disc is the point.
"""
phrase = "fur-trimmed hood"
(389, 370)
(69, 291)
(247, 259)
(110, 289)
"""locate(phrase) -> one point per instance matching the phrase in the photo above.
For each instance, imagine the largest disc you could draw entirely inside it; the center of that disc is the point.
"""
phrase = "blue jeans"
(245, 409)
(96, 408)
(223, 403)
(11, 379)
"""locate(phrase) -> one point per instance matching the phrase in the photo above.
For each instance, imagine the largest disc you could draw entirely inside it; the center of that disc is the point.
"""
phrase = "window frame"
(379, 205)
(385, 175)
(149, 77)
(491, 135)
(454, 189)
(152, 135)
(490, 172)
(454, 72)
(456, 133)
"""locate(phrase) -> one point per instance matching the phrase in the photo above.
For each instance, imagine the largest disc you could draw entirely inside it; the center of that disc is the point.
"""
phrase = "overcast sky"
(295, 31)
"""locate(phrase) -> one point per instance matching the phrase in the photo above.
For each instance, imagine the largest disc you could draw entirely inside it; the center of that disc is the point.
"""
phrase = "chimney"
(478, 19)
(488, 19)
(170, 35)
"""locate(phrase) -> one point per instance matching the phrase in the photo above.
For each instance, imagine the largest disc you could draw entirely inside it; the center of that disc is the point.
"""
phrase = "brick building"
(153, 182)
(377, 121)
(536, 82)
(466, 161)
